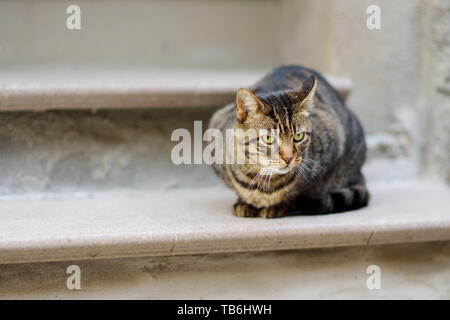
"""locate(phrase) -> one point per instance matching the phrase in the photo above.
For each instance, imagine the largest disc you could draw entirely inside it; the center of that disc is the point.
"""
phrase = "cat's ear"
(246, 103)
(305, 93)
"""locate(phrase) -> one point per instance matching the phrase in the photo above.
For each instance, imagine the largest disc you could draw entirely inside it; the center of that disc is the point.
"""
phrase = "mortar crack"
(175, 238)
(370, 238)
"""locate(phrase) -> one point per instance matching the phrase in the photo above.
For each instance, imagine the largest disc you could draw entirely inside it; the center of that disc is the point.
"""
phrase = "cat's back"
(291, 77)
(279, 79)
(326, 99)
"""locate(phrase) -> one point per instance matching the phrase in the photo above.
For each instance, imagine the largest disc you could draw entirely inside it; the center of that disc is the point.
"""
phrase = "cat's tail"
(354, 197)
(345, 199)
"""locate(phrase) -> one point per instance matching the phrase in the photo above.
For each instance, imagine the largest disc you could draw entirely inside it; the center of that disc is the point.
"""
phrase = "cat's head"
(281, 122)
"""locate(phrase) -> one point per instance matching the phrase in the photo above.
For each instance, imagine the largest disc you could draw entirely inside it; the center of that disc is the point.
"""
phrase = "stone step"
(44, 89)
(194, 221)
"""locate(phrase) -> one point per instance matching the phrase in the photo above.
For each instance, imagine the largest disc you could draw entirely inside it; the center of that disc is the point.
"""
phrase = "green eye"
(299, 136)
(268, 139)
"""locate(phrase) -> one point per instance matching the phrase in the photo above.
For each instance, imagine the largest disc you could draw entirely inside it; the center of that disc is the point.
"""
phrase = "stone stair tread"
(193, 221)
(42, 89)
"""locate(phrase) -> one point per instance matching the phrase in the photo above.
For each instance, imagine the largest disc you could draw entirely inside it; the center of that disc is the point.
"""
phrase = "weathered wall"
(436, 110)
(135, 33)
(384, 65)
(62, 151)
(400, 72)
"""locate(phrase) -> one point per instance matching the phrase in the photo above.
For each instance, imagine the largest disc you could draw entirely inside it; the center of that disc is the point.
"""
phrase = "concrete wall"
(78, 151)
(436, 110)
(397, 71)
(146, 34)
(384, 65)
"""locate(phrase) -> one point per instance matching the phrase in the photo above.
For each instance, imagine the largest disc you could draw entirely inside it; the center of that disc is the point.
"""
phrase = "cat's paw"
(272, 212)
(241, 209)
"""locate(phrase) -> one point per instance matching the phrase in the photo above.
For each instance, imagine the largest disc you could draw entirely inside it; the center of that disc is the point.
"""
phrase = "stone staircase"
(85, 167)
(81, 184)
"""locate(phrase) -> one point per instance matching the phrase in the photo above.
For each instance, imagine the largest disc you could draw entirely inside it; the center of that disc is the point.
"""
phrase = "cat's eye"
(268, 139)
(299, 136)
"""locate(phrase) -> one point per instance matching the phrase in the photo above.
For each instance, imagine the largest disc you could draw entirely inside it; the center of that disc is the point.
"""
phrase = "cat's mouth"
(283, 168)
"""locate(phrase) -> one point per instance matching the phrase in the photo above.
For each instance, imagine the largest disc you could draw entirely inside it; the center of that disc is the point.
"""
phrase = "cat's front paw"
(272, 212)
(242, 209)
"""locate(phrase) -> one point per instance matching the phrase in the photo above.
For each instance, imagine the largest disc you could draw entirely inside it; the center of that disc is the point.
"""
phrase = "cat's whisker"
(270, 177)
(264, 182)
(265, 169)
(309, 161)
(255, 178)
(308, 170)
(301, 170)
(267, 180)
(304, 167)
(250, 169)
(266, 186)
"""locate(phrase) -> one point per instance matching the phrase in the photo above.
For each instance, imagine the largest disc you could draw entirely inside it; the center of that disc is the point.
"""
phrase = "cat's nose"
(287, 159)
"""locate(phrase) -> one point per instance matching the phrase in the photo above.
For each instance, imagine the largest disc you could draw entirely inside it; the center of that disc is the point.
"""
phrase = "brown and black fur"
(325, 169)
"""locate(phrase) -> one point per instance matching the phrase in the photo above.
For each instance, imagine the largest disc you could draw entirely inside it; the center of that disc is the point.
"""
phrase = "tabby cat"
(311, 152)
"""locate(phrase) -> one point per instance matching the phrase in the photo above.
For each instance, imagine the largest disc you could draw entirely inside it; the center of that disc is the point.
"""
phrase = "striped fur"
(324, 174)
